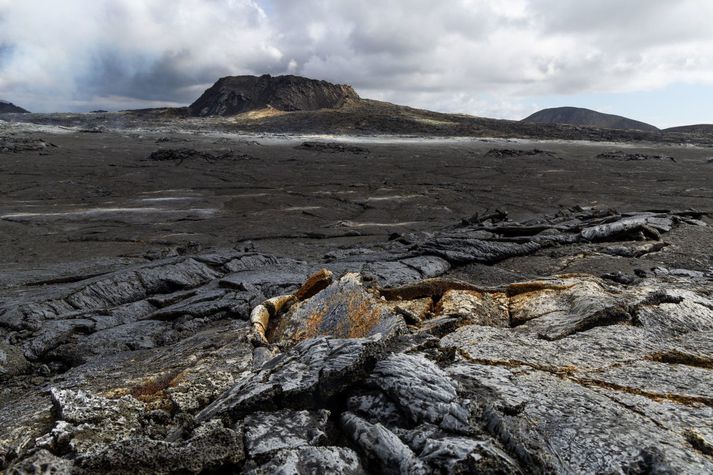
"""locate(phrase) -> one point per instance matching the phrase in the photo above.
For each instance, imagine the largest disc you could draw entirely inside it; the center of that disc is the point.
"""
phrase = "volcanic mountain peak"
(6, 107)
(692, 129)
(586, 117)
(237, 94)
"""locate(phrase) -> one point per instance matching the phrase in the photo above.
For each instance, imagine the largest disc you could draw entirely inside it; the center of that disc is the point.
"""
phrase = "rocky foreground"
(372, 360)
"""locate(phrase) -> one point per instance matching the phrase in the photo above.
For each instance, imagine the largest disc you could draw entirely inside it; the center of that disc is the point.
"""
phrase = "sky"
(651, 60)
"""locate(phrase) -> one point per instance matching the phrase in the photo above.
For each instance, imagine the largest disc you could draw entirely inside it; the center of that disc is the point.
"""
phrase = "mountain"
(237, 94)
(292, 104)
(366, 116)
(692, 129)
(8, 107)
(587, 118)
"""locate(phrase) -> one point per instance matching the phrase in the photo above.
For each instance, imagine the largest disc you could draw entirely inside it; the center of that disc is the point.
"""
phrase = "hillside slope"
(692, 129)
(586, 117)
(9, 107)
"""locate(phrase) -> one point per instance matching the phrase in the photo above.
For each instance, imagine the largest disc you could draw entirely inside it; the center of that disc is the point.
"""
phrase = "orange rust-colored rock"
(344, 309)
(518, 288)
(414, 311)
(315, 284)
(473, 307)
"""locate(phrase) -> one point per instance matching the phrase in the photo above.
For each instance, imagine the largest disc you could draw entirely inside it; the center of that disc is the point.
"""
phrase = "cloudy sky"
(651, 60)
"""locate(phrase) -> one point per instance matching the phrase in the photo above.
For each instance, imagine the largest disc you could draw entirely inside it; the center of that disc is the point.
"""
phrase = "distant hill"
(7, 107)
(366, 116)
(293, 104)
(586, 118)
(238, 94)
(692, 129)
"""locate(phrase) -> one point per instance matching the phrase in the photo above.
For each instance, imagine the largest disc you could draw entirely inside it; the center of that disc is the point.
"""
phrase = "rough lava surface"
(178, 298)
(369, 360)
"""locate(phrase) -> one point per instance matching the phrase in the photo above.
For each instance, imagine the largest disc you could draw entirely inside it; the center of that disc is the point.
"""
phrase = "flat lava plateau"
(84, 190)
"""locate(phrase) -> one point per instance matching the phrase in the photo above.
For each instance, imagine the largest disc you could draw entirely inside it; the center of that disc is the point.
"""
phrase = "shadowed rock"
(382, 447)
(236, 94)
(8, 107)
(327, 147)
(514, 153)
(633, 157)
(181, 154)
(308, 374)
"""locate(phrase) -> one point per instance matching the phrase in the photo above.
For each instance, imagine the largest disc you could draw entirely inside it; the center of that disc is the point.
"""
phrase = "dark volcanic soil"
(101, 196)
(182, 300)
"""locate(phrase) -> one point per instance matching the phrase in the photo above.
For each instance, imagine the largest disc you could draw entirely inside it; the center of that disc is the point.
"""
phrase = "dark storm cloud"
(447, 55)
(79, 54)
(158, 79)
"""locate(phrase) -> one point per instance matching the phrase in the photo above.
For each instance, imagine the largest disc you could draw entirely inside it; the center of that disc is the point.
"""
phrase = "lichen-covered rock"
(24, 416)
(80, 407)
(88, 421)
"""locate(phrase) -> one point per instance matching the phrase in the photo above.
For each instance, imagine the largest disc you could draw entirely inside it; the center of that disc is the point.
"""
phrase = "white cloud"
(59, 52)
(486, 57)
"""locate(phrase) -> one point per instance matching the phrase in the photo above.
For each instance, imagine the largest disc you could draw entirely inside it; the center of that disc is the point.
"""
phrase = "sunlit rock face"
(237, 94)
